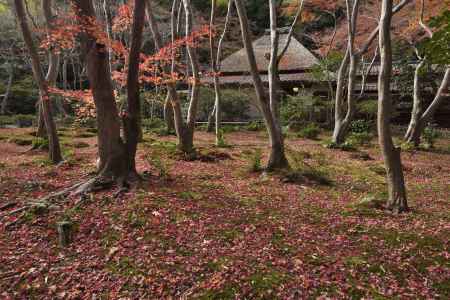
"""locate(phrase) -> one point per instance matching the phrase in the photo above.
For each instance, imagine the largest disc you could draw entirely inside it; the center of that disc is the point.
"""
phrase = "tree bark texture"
(132, 118)
(277, 158)
(111, 149)
(342, 121)
(397, 201)
(54, 147)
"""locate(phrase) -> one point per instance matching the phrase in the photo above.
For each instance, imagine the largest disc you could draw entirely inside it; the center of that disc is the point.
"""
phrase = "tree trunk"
(211, 122)
(4, 106)
(53, 64)
(417, 106)
(338, 104)
(54, 148)
(418, 124)
(215, 71)
(168, 115)
(195, 67)
(185, 144)
(397, 201)
(342, 123)
(132, 118)
(111, 149)
(277, 158)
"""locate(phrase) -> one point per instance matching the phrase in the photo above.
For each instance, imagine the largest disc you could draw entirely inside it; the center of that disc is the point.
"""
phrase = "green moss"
(20, 141)
(264, 282)
(190, 195)
(228, 292)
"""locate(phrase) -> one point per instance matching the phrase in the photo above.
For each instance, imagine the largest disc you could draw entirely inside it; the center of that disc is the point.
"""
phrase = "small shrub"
(360, 126)
(359, 138)
(163, 169)
(407, 146)
(429, 136)
(255, 126)
(311, 131)
(221, 140)
(254, 161)
(346, 146)
(154, 125)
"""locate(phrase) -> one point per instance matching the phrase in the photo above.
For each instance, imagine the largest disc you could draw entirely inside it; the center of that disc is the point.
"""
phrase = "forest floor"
(214, 229)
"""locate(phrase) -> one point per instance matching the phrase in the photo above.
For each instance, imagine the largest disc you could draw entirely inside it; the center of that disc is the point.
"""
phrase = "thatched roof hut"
(294, 67)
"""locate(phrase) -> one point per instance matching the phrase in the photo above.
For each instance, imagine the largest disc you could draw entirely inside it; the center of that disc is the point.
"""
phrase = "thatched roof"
(247, 79)
(296, 58)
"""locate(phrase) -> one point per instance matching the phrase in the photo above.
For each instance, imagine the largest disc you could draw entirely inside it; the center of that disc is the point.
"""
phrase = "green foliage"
(153, 104)
(234, 103)
(255, 126)
(23, 97)
(368, 108)
(297, 111)
(311, 131)
(322, 71)
(221, 139)
(436, 48)
(154, 159)
(360, 126)
(254, 159)
(359, 138)
(40, 143)
(429, 136)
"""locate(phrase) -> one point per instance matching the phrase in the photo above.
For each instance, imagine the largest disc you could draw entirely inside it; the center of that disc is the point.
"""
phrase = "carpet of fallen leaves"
(211, 229)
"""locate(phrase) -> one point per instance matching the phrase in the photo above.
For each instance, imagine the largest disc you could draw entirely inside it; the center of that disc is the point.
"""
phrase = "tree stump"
(64, 233)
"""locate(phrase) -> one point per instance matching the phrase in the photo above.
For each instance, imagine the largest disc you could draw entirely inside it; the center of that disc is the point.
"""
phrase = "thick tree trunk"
(132, 118)
(397, 201)
(111, 149)
(4, 106)
(54, 148)
(418, 120)
(277, 158)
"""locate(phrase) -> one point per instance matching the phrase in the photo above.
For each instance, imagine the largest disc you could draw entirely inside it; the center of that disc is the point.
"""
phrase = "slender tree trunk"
(215, 70)
(168, 115)
(4, 106)
(342, 123)
(277, 158)
(185, 144)
(211, 122)
(417, 105)
(419, 121)
(215, 117)
(53, 64)
(397, 201)
(195, 67)
(111, 149)
(54, 148)
(133, 115)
